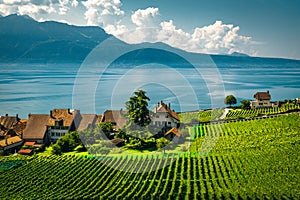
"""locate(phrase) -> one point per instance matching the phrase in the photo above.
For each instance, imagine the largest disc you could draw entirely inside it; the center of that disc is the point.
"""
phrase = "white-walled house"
(262, 100)
(163, 116)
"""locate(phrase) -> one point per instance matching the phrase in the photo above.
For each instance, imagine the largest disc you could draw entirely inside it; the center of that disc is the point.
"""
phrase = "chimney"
(51, 113)
(268, 92)
(170, 105)
(17, 116)
(6, 115)
(29, 115)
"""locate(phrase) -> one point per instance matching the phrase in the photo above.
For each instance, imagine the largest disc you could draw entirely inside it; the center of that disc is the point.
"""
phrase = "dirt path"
(226, 111)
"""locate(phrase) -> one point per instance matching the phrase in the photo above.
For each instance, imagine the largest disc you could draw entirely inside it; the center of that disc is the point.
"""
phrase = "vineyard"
(239, 113)
(214, 115)
(255, 159)
(202, 116)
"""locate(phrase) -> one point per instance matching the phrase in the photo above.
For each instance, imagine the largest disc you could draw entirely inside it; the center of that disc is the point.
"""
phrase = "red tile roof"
(29, 143)
(25, 151)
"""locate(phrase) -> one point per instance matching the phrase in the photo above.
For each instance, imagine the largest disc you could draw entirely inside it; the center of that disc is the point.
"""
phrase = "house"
(116, 118)
(298, 100)
(163, 116)
(36, 129)
(11, 126)
(10, 145)
(46, 128)
(262, 100)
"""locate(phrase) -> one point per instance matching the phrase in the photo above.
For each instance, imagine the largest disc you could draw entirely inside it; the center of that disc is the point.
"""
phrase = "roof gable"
(36, 126)
(61, 114)
(163, 108)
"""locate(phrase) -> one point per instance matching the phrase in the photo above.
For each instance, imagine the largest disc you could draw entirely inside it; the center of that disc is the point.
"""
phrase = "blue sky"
(268, 28)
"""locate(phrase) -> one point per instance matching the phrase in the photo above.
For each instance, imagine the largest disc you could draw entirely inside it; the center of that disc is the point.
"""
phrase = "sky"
(265, 28)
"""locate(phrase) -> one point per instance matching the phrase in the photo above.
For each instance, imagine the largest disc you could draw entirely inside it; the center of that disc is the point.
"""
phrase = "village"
(41, 130)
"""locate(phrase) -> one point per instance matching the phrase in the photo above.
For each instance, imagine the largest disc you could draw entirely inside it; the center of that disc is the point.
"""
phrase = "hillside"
(255, 159)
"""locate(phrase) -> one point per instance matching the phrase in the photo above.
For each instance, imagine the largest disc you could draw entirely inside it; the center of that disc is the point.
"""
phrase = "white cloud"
(36, 7)
(145, 18)
(103, 12)
(218, 38)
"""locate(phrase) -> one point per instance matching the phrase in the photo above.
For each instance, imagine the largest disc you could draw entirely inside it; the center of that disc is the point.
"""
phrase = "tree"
(230, 100)
(162, 143)
(137, 108)
(106, 128)
(245, 104)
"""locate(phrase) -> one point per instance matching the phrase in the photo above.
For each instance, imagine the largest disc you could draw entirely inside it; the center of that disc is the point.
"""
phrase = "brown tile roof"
(36, 126)
(262, 96)
(115, 117)
(162, 107)
(8, 122)
(61, 114)
(20, 127)
(10, 141)
(87, 121)
(175, 131)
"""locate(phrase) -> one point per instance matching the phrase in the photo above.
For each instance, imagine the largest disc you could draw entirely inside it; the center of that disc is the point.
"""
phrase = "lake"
(38, 88)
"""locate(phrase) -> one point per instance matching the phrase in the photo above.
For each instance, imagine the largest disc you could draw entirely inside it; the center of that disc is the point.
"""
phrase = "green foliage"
(238, 113)
(66, 143)
(245, 104)
(56, 149)
(161, 143)
(230, 100)
(201, 116)
(137, 107)
(106, 128)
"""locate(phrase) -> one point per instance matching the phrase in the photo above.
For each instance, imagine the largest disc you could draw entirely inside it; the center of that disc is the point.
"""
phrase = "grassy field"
(256, 159)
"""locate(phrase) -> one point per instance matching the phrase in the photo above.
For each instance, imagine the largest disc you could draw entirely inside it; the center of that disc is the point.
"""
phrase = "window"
(167, 116)
(157, 116)
(169, 123)
(59, 123)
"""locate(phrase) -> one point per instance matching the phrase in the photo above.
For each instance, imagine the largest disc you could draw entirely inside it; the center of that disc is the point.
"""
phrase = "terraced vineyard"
(239, 113)
(257, 159)
(202, 116)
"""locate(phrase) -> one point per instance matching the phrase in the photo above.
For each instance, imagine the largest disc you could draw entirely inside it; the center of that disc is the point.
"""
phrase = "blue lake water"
(37, 88)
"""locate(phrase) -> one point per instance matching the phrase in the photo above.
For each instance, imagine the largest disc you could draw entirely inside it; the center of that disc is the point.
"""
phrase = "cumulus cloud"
(103, 12)
(217, 38)
(35, 7)
(145, 18)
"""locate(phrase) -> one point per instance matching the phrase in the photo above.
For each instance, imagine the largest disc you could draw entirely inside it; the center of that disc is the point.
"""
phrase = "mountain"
(24, 39)
(29, 39)
(239, 54)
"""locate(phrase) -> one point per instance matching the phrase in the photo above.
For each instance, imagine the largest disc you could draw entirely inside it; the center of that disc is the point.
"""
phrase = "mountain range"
(24, 39)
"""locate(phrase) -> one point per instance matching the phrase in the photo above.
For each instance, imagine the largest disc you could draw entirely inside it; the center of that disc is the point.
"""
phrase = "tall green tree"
(230, 100)
(245, 104)
(137, 107)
